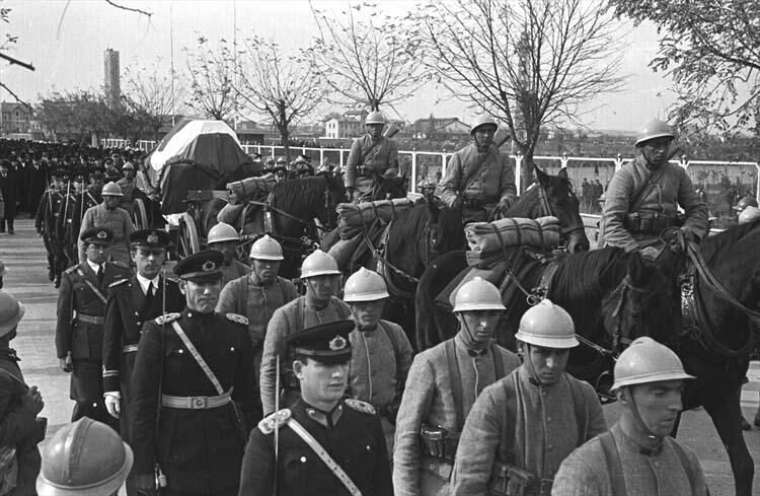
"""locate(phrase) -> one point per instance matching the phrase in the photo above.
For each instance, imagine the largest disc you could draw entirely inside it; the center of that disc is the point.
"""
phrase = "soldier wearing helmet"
(321, 276)
(224, 239)
(478, 179)
(127, 184)
(258, 294)
(644, 195)
(637, 456)
(521, 428)
(371, 155)
(109, 215)
(441, 388)
(381, 352)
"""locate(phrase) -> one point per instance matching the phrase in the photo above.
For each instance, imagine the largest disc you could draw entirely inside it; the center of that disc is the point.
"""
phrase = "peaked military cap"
(97, 235)
(204, 266)
(150, 238)
(327, 343)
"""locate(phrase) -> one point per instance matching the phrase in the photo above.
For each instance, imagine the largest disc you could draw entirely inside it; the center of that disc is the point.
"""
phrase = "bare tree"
(528, 62)
(367, 58)
(148, 95)
(73, 114)
(285, 88)
(211, 71)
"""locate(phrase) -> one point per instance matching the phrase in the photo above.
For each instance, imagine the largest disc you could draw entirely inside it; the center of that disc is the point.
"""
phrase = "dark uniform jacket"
(352, 437)
(46, 219)
(198, 450)
(9, 185)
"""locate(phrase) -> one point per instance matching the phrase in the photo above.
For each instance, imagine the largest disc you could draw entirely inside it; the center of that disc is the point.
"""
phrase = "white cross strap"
(198, 358)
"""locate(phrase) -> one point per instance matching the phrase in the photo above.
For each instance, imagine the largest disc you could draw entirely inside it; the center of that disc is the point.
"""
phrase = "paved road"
(24, 257)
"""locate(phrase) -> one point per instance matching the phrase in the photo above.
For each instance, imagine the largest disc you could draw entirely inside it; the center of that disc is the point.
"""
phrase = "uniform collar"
(326, 419)
(95, 267)
(638, 442)
(470, 351)
(144, 283)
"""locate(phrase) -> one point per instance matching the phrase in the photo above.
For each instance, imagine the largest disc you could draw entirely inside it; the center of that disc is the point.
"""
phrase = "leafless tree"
(528, 62)
(365, 56)
(148, 94)
(211, 71)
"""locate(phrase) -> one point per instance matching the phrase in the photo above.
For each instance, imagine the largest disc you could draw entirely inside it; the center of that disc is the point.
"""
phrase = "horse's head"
(390, 186)
(334, 193)
(444, 227)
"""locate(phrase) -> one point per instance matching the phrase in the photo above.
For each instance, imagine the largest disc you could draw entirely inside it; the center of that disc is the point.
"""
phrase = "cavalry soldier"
(521, 428)
(324, 445)
(108, 214)
(258, 294)
(224, 239)
(478, 179)
(193, 401)
(84, 458)
(637, 456)
(643, 196)
(441, 388)
(370, 156)
(79, 332)
(46, 221)
(321, 276)
(381, 353)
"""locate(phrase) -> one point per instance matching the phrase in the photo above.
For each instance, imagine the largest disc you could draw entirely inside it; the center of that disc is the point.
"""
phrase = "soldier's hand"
(32, 401)
(66, 364)
(112, 401)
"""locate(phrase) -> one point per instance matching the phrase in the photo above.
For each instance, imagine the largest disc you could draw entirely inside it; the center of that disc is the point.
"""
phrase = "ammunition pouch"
(651, 222)
(509, 480)
(438, 442)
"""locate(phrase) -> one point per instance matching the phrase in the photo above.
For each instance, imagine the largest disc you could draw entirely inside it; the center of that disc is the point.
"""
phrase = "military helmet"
(11, 312)
(365, 285)
(84, 458)
(548, 325)
(744, 202)
(749, 214)
(477, 295)
(483, 120)
(646, 361)
(375, 117)
(221, 233)
(266, 248)
(111, 189)
(654, 129)
(319, 263)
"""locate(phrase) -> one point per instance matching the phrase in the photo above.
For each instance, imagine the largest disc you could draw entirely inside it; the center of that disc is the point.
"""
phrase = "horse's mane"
(713, 244)
(298, 192)
(410, 228)
(583, 273)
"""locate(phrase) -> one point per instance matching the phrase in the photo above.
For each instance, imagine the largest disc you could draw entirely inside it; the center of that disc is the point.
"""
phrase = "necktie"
(100, 275)
(150, 291)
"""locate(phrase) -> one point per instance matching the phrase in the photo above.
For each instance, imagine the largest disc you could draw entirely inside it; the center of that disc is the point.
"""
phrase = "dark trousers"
(9, 222)
(87, 391)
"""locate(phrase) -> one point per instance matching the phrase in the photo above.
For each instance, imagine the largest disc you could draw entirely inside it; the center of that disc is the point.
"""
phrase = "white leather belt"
(129, 348)
(195, 402)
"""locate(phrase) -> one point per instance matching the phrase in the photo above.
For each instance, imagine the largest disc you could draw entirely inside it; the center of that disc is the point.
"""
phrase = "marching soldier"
(381, 353)
(193, 401)
(637, 456)
(370, 156)
(108, 214)
(643, 196)
(478, 179)
(441, 388)
(46, 221)
(321, 277)
(224, 239)
(79, 333)
(521, 427)
(324, 445)
(70, 217)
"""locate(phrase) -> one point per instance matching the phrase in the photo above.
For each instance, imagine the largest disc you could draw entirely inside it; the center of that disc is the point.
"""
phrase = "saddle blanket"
(488, 238)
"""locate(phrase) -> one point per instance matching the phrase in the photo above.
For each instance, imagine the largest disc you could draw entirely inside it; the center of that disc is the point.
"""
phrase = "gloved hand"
(65, 363)
(112, 401)
(650, 253)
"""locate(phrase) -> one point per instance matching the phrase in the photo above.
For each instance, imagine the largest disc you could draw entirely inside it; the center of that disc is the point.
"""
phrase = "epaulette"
(120, 264)
(237, 318)
(361, 406)
(167, 318)
(116, 283)
(267, 425)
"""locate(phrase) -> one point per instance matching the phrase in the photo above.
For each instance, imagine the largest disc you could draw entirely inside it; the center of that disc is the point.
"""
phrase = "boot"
(10, 226)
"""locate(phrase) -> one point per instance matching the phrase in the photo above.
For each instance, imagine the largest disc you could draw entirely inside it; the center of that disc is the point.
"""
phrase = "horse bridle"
(545, 205)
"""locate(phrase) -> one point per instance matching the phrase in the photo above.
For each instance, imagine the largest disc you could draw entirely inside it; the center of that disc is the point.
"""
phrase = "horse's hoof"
(746, 426)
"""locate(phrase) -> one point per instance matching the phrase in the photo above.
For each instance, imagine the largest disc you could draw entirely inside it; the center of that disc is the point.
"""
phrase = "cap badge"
(152, 238)
(337, 343)
(208, 266)
(102, 235)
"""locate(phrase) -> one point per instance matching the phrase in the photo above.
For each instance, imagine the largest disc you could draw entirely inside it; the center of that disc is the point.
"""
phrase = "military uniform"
(435, 400)
(518, 422)
(128, 187)
(46, 222)
(368, 160)
(118, 221)
(234, 270)
(636, 226)
(481, 180)
(79, 332)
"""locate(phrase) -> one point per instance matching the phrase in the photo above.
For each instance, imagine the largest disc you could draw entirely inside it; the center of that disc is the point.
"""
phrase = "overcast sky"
(65, 42)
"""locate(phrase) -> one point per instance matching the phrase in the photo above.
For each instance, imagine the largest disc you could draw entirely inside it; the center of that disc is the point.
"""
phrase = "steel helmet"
(111, 189)
(221, 233)
(266, 248)
(744, 202)
(547, 325)
(645, 361)
(749, 214)
(84, 458)
(655, 129)
(11, 312)
(477, 295)
(319, 263)
(483, 120)
(375, 117)
(365, 285)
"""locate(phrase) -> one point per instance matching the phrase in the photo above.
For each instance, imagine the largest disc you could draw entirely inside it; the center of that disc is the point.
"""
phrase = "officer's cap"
(326, 343)
(204, 266)
(97, 236)
(150, 238)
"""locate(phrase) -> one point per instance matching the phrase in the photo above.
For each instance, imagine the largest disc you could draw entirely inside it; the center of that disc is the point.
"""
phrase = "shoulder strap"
(614, 466)
(472, 172)
(579, 410)
(498, 363)
(686, 463)
(392, 337)
(455, 376)
(198, 358)
(322, 453)
(92, 287)
(639, 193)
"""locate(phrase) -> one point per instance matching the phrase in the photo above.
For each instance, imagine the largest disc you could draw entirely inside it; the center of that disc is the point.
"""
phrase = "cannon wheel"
(139, 214)
(188, 238)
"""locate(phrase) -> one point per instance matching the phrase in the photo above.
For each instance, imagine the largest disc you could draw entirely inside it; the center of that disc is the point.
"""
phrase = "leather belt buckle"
(198, 402)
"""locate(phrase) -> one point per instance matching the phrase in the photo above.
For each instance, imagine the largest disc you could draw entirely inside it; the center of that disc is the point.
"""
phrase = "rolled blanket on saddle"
(486, 239)
(352, 217)
(252, 188)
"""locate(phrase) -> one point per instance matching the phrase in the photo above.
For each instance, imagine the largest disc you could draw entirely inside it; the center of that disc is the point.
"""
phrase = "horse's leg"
(431, 326)
(726, 416)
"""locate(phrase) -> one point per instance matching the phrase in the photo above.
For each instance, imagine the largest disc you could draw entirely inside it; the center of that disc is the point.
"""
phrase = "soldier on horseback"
(643, 196)
(371, 156)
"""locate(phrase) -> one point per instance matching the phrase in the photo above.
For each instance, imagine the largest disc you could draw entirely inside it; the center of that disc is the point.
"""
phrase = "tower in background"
(111, 85)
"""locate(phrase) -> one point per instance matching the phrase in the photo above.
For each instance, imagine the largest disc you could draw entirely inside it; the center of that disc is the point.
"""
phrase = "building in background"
(15, 119)
(111, 82)
(439, 128)
(348, 125)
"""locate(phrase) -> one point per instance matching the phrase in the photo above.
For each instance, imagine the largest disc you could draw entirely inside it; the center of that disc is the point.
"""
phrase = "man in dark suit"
(9, 187)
